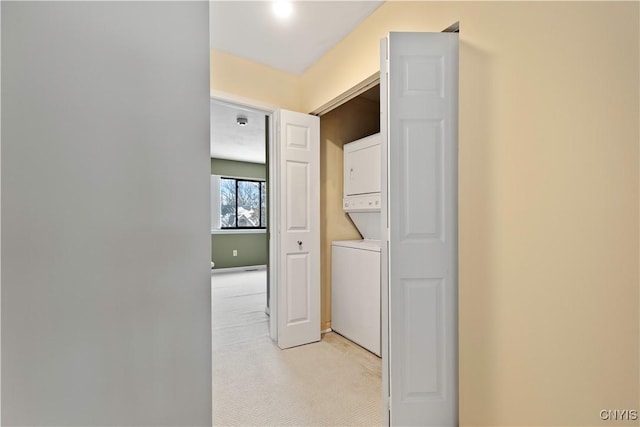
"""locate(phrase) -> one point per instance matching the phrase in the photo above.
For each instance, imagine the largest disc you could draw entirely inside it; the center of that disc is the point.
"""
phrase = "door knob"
(299, 242)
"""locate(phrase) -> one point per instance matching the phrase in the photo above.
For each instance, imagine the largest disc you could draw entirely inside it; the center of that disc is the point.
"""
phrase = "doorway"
(239, 189)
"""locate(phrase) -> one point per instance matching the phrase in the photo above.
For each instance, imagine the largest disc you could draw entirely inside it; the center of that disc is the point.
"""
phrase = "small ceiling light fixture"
(282, 9)
(242, 121)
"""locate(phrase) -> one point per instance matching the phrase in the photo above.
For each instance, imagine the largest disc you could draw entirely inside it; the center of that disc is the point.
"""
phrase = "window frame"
(216, 207)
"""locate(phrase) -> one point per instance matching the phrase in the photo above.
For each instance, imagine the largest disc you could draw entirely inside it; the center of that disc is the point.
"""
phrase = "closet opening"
(350, 212)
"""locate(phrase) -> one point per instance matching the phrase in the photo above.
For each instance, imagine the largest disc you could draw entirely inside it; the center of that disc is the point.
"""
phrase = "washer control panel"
(362, 203)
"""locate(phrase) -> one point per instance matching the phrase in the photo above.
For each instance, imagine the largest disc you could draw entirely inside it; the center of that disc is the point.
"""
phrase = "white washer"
(355, 291)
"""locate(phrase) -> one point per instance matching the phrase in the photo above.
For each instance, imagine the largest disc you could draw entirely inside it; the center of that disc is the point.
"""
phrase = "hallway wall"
(237, 76)
(106, 313)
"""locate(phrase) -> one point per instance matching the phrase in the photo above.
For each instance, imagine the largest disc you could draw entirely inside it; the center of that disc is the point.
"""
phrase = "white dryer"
(355, 264)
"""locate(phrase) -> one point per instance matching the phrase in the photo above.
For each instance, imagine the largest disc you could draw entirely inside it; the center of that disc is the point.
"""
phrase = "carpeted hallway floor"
(330, 383)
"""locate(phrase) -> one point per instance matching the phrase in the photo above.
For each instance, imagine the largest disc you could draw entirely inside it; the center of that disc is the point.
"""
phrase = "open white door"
(298, 229)
(420, 114)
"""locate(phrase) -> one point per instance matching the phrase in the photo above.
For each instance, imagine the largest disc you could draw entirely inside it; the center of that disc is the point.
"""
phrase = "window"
(242, 204)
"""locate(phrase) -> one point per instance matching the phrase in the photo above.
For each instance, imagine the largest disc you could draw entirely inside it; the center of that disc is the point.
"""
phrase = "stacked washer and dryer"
(355, 264)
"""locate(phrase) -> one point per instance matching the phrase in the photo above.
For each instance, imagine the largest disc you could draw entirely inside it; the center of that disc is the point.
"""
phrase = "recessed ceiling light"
(282, 9)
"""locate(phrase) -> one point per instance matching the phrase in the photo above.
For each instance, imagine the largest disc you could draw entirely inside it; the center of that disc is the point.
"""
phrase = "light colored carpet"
(330, 383)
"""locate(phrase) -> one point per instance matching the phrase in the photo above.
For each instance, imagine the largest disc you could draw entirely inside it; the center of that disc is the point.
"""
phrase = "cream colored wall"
(354, 120)
(240, 77)
(548, 195)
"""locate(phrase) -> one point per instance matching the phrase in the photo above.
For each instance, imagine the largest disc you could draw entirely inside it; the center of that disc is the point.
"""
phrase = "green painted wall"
(232, 168)
(252, 248)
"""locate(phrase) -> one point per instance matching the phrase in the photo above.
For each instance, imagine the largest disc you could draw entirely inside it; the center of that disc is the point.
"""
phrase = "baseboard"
(325, 327)
(236, 269)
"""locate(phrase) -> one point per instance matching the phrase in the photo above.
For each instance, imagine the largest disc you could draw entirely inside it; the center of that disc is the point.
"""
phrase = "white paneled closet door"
(420, 118)
(298, 234)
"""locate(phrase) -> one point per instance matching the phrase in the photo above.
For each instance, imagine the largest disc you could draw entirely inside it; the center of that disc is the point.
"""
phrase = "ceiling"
(250, 29)
(232, 141)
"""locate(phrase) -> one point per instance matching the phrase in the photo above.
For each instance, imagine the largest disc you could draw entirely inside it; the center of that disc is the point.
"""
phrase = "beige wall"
(239, 77)
(354, 120)
(548, 200)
